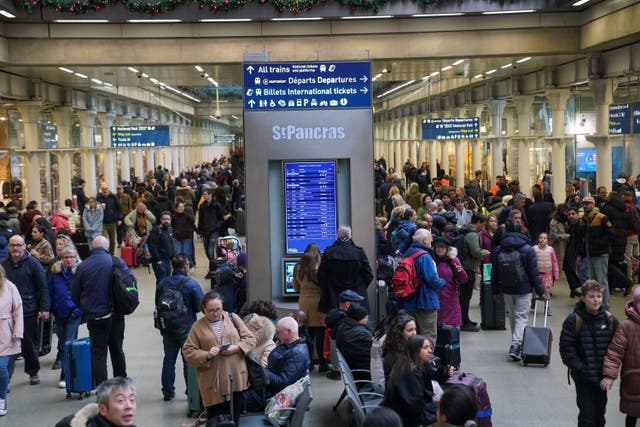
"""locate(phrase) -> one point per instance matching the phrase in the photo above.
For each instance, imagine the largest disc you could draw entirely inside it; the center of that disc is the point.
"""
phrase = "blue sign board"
(311, 214)
(586, 160)
(49, 136)
(635, 116)
(619, 119)
(139, 136)
(451, 128)
(307, 86)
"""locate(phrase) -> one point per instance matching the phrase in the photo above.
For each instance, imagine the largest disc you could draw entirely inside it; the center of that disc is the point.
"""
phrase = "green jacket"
(472, 249)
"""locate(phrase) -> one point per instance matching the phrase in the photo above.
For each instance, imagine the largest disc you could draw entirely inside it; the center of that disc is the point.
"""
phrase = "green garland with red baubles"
(78, 7)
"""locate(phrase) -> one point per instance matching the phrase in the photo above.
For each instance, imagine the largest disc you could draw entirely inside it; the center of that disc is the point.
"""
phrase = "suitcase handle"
(546, 311)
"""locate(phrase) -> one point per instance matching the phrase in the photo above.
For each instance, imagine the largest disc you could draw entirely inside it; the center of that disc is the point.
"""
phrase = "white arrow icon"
(364, 90)
(250, 69)
(251, 103)
(364, 79)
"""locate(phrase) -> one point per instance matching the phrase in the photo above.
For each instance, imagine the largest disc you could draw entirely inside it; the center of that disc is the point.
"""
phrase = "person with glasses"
(66, 312)
(217, 344)
(27, 274)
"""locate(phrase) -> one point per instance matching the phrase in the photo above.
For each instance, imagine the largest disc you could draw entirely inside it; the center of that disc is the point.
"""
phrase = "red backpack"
(405, 279)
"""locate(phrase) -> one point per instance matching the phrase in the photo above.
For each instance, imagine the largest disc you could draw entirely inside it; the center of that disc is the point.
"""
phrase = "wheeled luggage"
(45, 330)
(479, 388)
(536, 342)
(128, 255)
(241, 222)
(224, 420)
(80, 241)
(194, 402)
(492, 310)
(78, 369)
(448, 346)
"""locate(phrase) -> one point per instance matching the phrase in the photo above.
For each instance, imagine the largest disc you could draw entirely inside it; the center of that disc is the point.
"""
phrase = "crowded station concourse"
(149, 130)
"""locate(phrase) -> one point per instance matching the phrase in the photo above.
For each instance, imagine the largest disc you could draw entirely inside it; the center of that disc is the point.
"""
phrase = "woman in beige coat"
(216, 346)
(264, 330)
(11, 332)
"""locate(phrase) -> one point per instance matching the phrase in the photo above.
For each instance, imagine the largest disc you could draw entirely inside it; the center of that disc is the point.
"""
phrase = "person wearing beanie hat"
(622, 357)
(354, 341)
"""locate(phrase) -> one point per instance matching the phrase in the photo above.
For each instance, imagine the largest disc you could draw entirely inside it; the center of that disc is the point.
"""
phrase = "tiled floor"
(531, 396)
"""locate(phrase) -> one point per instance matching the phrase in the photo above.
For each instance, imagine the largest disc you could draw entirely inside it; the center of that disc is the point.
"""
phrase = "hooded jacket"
(30, 279)
(597, 233)
(519, 242)
(87, 416)
(616, 211)
(583, 353)
(59, 283)
(426, 297)
(354, 342)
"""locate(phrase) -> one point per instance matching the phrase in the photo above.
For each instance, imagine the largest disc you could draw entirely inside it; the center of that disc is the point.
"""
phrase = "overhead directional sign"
(451, 128)
(619, 119)
(306, 86)
(139, 136)
(635, 116)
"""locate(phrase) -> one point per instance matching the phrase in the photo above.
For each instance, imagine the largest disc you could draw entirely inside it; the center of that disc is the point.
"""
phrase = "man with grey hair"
(91, 291)
(344, 266)
(116, 406)
(424, 303)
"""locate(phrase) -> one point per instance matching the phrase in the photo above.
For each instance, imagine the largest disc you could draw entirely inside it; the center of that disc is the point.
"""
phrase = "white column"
(497, 163)
(433, 158)
(444, 156)
(64, 176)
(30, 113)
(62, 118)
(423, 151)
(496, 108)
(87, 118)
(175, 161)
(460, 162)
(557, 99)
(476, 154)
(106, 120)
(524, 164)
(603, 97)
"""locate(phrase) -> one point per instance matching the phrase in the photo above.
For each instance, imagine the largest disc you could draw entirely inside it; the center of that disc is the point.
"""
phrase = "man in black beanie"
(354, 341)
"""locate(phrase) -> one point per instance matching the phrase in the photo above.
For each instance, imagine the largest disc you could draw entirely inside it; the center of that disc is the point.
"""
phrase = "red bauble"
(225, 2)
(353, 8)
(71, 9)
(201, 6)
(58, 8)
(97, 8)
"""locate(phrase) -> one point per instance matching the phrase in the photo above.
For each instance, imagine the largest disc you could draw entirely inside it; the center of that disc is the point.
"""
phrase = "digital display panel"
(288, 265)
(310, 204)
(619, 119)
(139, 136)
(451, 128)
(635, 116)
(586, 160)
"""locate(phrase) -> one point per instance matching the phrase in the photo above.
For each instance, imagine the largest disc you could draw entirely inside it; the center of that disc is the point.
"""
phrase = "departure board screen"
(311, 213)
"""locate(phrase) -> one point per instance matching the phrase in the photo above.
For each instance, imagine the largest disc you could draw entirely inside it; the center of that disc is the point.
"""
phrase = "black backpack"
(170, 315)
(124, 288)
(456, 237)
(511, 271)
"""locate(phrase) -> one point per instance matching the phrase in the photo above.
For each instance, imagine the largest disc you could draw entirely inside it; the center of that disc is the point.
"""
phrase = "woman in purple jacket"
(449, 269)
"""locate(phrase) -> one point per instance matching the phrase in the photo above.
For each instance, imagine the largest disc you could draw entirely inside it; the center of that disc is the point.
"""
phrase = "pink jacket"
(547, 261)
(11, 322)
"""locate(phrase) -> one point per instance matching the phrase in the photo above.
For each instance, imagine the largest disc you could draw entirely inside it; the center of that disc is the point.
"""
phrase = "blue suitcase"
(78, 369)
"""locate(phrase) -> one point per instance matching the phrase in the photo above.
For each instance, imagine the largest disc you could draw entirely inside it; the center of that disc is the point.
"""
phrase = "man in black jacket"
(112, 214)
(354, 341)
(210, 220)
(586, 334)
(333, 320)
(162, 247)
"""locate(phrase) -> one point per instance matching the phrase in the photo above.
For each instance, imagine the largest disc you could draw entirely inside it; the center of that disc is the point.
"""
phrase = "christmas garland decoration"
(156, 7)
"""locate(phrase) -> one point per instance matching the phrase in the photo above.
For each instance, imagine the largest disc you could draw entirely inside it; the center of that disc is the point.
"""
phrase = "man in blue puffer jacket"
(27, 274)
(517, 297)
(425, 302)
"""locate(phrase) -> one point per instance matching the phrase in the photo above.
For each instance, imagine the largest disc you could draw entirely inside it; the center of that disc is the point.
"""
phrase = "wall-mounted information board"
(139, 136)
(310, 204)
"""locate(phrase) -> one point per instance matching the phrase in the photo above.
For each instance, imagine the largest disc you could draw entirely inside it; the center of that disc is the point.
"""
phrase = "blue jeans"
(66, 330)
(597, 268)
(185, 247)
(172, 346)
(209, 242)
(162, 270)
(4, 375)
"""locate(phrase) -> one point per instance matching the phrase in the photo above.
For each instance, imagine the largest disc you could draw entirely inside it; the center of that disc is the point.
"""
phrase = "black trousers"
(569, 269)
(465, 292)
(29, 342)
(116, 338)
(592, 404)
(315, 339)
(99, 334)
(224, 408)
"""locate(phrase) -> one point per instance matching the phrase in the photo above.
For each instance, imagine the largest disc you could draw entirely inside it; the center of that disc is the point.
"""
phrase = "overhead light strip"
(448, 67)
(507, 65)
(508, 12)
(7, 14)
(314, 18)
(580, 2)
(377, 76)
(368, 17)
(199, 68)
(66, 70)
(226, 20)
(81, 21)
(458, 62)
(133, 70)
(435, 15)
(491, 71)
(405, 84)
(520, 61)
(153, 21)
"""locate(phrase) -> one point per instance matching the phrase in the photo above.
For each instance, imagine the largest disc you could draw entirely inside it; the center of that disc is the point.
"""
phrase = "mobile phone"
(224, 347)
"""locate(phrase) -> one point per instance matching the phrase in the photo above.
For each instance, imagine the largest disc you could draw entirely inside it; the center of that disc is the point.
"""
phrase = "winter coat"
(547, 261)
(584, 353)
(191, 294)
(334, 319)
(401, 237)
(344, 266)
(43, 252)
(354, 342)
(125, 204)
(309, 299)
(414, 198)
(61, 222)
(73, 218)
(426, 297)
(596, 232)
(539, 216)
(623, 352)
(520, 242)
(183, 225)
(91, 285)
(161, 244)
(92, 221)
(472, 248)
(130, 222)
(412, 397)
(11, 320)
(186, 193)
(210, 218)
(112, 209)
(87, 416)
(377, 361)
(287, 364)
(616, 211)
(463, 217)
(59, 284)
(486, 239)
(558, 238)
(213, 374)
(263, 330)
(30, 279)
(449, 313)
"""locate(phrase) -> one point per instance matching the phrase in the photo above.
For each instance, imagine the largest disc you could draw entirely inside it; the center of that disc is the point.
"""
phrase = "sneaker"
(323, 367)
(62, 384)
(34, 379)
(209, 275)
(3, 407)
(514, 353)
(333, 375)
(469, 327)
(57, 364)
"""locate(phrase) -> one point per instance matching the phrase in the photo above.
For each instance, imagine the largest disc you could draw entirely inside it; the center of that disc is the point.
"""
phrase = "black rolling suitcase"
(45, 330)
(536, 343)
(448, 346)
(225, 420)
(492, 311)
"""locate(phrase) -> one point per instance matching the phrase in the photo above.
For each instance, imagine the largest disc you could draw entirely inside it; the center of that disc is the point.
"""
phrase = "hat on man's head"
(589, 199)
(450, 217)
(357, 312)
(442, 241)
(350, 295)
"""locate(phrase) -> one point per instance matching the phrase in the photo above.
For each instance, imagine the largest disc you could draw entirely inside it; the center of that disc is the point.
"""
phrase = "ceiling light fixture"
(145, 75)
(96, 81)
(377, 76)
(435, 15)
(520, 61)
(7, 14)
(199, 68)
(66, 70)
(368, 17)
(81, 21)
(405, 84)
(153, 21)
(508, 12)
(458, 62)
(477, 76)
(435, 73)
(107, 84)
(212, 81)
(133, 70)
(580, 2)
(310, 18)
(154, 81)
(448, 67)
(506, 65)
(82, 76)
(226, 20)
(491, 71)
